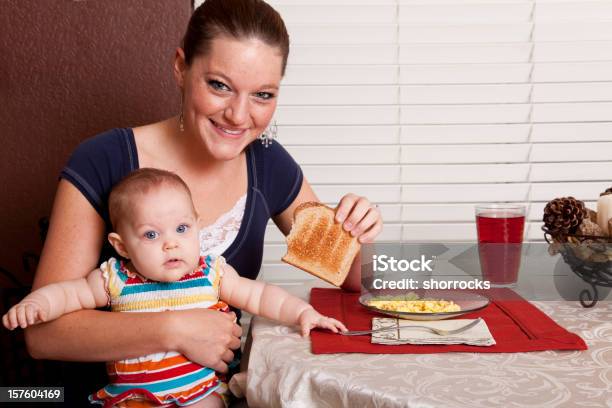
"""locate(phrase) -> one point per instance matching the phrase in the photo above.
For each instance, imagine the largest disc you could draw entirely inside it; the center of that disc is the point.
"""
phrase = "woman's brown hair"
(238, 19)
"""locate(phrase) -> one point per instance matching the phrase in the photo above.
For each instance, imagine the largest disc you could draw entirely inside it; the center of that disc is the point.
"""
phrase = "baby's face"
(162, 235)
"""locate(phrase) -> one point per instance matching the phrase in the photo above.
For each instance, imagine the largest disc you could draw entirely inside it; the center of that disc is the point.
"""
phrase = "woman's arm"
(71, 251)
(355, 212)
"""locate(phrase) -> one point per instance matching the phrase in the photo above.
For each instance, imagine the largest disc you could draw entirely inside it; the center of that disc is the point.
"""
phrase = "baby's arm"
(52, 301)
(272, 302)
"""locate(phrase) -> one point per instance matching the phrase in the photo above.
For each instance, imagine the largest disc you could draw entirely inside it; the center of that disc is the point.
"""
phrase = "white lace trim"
(217, 237)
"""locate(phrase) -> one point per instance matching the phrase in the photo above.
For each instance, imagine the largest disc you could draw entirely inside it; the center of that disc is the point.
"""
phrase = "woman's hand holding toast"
(359, 217)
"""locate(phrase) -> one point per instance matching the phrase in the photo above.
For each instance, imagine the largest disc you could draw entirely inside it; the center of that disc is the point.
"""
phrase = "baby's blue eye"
(181, 229)
(151, 235)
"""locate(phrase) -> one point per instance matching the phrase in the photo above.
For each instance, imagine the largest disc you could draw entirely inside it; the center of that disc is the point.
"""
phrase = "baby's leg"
(212, 401)
(136, 404)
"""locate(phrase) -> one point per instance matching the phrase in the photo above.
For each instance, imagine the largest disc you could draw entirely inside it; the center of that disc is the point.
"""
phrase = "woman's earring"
(269, 135)
(181, 121)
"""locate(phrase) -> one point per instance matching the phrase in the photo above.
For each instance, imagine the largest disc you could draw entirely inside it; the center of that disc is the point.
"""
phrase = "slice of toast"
(319, 245)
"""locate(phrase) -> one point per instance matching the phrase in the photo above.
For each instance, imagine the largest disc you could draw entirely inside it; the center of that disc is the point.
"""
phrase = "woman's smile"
(228, 131)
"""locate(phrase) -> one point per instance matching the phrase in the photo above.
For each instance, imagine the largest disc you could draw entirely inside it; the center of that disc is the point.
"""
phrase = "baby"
(156, 230)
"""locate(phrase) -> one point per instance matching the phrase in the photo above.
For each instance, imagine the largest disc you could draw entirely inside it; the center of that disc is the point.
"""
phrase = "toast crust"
(319, 245)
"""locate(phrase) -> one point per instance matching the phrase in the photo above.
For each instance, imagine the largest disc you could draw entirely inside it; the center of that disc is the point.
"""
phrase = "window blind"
(430, 107)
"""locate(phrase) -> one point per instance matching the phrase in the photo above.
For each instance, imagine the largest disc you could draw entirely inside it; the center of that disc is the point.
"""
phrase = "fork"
(440, 332)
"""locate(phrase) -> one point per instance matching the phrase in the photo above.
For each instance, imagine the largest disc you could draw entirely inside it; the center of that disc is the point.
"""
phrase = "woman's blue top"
(274, 180)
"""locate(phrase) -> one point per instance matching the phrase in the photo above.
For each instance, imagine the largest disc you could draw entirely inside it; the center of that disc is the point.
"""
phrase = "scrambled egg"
(415, 306)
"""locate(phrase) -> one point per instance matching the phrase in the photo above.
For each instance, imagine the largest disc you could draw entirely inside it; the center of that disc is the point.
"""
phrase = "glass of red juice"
(500, 230)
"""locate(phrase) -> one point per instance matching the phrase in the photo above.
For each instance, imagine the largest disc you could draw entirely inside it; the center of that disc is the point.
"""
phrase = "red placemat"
(515, 324)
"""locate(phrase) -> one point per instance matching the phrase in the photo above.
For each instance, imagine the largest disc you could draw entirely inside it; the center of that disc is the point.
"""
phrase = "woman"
(229, 71)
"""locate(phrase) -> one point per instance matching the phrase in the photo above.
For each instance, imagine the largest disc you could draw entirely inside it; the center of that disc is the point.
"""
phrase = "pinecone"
(608, 191)
(592, 215)
(591, 229)
(588, 227)
(563, 216)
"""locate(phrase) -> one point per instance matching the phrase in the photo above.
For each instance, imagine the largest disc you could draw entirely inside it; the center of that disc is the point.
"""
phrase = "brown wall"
(68, 70)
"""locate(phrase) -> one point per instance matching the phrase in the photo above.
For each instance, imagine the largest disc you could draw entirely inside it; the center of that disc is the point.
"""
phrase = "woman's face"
(230, 94)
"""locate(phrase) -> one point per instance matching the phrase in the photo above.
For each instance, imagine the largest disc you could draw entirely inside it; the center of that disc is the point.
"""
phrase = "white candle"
(604, 212)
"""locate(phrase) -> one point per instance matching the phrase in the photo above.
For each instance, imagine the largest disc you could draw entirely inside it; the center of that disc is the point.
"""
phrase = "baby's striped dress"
(166, 379)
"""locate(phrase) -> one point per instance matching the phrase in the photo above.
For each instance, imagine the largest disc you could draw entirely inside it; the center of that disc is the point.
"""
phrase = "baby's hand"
(310, 318)
(23, 314)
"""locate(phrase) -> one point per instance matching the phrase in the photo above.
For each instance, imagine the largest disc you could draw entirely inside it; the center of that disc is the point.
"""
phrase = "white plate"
(469, 302)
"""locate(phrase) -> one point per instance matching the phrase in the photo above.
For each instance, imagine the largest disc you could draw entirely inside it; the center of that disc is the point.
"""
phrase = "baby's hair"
(139, 182)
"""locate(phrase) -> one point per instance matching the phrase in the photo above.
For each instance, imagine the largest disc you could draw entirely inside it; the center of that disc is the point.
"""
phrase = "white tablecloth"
(284, 373)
